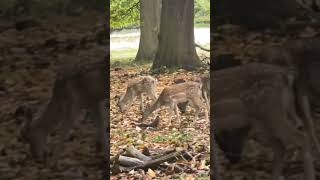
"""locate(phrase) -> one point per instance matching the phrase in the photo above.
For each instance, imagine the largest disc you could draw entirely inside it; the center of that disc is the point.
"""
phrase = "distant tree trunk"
(176, 37)
(150, 12)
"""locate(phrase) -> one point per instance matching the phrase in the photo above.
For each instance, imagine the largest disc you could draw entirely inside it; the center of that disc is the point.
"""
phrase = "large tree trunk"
(253, 13)
(176, 38)
(150, 11)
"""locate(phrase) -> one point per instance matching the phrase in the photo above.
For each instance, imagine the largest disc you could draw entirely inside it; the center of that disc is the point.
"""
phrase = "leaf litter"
(124, 130)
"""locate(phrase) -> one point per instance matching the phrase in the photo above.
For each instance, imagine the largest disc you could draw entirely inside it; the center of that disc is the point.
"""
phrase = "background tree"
(150, 12)
(124, 13)
(176, 38)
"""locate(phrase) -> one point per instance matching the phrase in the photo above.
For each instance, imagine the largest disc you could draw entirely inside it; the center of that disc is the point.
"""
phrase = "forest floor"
(29, 60)
(124, 130)
(246, 45)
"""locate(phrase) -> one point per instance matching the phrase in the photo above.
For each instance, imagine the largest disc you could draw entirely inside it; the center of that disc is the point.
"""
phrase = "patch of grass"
(123, 54)
(128, 62)
(174, 137)
(125, 58)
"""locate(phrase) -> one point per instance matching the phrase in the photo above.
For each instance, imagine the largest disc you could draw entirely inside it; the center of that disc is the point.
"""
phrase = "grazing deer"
(204, 79)
(178, 93)
(302, 56)
(136, 87)
(259, 96)
(73, 90)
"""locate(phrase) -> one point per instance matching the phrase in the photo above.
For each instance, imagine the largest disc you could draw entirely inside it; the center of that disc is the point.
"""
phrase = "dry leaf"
(151, 173)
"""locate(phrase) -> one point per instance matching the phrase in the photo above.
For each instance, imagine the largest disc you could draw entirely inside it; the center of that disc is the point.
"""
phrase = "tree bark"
(176, 38)
(150, 11)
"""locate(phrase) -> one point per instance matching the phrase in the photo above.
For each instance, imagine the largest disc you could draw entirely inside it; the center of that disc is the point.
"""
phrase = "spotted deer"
(178, 93)
(136, 88)
(74, 89)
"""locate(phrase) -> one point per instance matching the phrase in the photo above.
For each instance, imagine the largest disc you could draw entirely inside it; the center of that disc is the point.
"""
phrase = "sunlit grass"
(123, 55)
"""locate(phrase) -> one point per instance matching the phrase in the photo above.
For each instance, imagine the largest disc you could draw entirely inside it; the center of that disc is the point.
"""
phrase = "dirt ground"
(245, 45)
(124, 130)
(29, 60)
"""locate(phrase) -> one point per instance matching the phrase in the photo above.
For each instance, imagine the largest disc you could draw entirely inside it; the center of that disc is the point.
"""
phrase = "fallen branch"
(202, 48)
(137, 154)
(129, 161)
(115, 163)
(138, 160)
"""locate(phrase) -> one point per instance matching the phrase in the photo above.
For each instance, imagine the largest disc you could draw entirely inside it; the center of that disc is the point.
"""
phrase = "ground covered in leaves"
(240, 43)
(124, 130)
(30, 55)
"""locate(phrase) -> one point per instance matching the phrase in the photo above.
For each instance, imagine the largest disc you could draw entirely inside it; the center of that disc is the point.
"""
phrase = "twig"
(202, 48)
(129, 10)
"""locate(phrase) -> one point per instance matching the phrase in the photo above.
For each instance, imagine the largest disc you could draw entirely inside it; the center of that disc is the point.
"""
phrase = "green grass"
(173, 137)
(120, 55)
(125, 58)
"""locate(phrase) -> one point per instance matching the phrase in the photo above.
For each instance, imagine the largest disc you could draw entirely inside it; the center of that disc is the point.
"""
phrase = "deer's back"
(232, 82)
(89, 87)
(140, 83)
(183, 91)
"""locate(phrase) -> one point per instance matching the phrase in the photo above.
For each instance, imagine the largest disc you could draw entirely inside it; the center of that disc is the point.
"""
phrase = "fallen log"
(123, 163)
(129, 161)
(137, 154)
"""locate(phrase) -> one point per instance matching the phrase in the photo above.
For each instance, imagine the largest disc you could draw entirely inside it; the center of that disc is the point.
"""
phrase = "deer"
(259, 96)
(73, 90)
(136, 88)
(300, 56)
(178, 93)
(204, 79)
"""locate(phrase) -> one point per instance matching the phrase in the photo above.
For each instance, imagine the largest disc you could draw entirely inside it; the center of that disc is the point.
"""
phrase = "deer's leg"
(172, 106)
(126, 100)
(309, 169)
(278, 159)
(197, 104)
(100, 117)
(304, 105)
(290, 103)
(70, 113)
(205, 95)
(141, 102)
(176, 110)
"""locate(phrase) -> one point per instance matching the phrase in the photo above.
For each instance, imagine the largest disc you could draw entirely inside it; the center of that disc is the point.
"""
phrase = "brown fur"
(135, 88)
(178, 93)
(258, 95)
(302, 57)
(71, 93)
